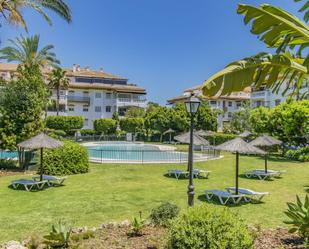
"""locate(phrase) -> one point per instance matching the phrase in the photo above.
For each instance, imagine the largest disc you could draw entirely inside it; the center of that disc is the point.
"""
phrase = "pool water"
(135, 152)
(8, 154)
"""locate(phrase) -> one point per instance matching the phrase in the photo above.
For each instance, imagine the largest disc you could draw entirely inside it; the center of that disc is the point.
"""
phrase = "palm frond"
(276, 27)
(305, 9)
(260, 70)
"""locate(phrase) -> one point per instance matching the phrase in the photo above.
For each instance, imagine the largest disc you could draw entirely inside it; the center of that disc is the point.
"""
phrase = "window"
(108, 95)
(230, 103)
(229, 114)
(277, 102)
(71, 93)
(85, 108)
(97, 109)
(71, 108)
(238, 103)
(108, 108)
(62, 93)
(98, 95)
(85, 93)
(213, 102)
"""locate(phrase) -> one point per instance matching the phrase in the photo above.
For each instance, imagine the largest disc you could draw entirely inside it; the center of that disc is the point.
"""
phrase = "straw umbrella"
(197, 140)
(245, 134)
(239, 146)
(169, 131)
(265, 141)
(40, 141)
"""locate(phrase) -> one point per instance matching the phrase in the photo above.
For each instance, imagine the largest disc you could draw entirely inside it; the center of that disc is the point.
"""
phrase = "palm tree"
(57, 80)
(10, 10)
(278, 29)
(25, 50)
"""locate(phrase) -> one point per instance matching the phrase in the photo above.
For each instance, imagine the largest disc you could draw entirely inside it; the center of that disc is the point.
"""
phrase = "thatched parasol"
(169, 131)
(265, 141)
(41, 141)
(245, 134)
(197, 140)
(239, 146)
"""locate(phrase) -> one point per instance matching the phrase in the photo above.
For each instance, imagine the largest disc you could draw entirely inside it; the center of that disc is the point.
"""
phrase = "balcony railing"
(83, 99)
(128, 100)
(259, 94)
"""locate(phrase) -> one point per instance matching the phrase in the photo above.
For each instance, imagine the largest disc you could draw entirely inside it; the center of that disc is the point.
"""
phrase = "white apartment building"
(225, 104)
(91, 94)
(268, 98)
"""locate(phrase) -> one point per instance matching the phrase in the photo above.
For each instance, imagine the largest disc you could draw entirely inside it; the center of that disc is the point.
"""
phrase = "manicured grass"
(118, 192)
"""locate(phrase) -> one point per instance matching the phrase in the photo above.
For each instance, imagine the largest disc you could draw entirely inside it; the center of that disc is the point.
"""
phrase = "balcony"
(80, 99)
(260, 94)
(132, 102)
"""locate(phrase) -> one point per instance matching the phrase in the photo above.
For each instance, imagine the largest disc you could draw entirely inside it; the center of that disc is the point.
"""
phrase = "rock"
(13, 245)
(125, 223)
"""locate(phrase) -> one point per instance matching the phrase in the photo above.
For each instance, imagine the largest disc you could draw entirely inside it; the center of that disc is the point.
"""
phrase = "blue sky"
(162, 45)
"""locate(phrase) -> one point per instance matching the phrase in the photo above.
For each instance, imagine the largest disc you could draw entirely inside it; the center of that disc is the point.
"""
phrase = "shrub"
(65, 123)
(299, 218)
(208, 227)
(301, 154)
(105, 125)
(163, 214)
(7, 164)
(59, 237)
(136, 226)
(219, 138)
(87, 132)
(132, 124)
(71, 158)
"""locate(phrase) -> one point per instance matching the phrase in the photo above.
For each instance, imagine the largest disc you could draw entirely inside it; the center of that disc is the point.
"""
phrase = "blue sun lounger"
(28, 184)
(223, 196)
(51, 180)
(249, 194)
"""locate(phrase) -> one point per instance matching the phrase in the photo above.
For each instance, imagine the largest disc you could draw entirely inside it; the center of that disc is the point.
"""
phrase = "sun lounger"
(178, 173)
(28, 184)
(51, 180)
(200, 173)
(253, 195)
(223, 196)
(277, 173)
(260, 174)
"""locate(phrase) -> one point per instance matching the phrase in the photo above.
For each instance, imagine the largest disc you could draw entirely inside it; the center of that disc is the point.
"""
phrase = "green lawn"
(118, 192)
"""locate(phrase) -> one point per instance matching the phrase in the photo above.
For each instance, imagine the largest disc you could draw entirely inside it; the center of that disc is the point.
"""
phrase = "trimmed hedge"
(105, 125)
(301, 154)
(65, 123)
(219, 138)
(71, 158)
(205, 227)
(87, 132)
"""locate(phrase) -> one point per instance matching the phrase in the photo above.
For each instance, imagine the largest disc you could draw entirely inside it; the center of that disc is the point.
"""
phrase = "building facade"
(225, 105)
(268, 98)
(91, 94)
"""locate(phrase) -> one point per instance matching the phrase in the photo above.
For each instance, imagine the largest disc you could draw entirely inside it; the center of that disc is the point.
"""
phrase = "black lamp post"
(192, 106)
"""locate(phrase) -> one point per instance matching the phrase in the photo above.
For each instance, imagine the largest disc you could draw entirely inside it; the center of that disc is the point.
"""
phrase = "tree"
(240, 120)
(132, 125)
(205, 118)
(58, 80)
(276, 28)
(179, 118)
(290, 121)
(157, 120)
(25, 50)
(259, 120)
(22, 103)
(135, 112)
(11, 10)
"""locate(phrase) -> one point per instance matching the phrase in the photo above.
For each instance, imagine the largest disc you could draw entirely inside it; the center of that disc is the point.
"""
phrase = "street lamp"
(192, 106)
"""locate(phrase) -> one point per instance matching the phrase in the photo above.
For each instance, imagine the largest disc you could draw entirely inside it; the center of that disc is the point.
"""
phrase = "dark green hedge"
(105, 125)
(87, 132)
(71, 158)
(65, 123)
(301, 154)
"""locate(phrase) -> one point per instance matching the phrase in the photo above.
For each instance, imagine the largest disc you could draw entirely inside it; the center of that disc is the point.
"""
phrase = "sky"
(164, 46)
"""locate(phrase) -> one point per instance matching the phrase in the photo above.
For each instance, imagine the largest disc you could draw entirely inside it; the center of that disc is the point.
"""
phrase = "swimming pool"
(125, 152)
(8, 154)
